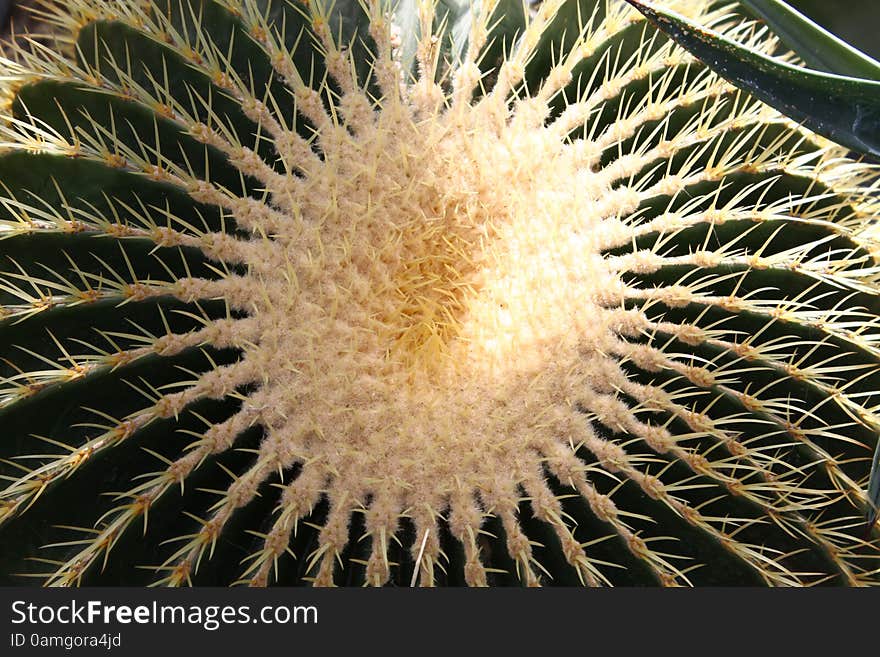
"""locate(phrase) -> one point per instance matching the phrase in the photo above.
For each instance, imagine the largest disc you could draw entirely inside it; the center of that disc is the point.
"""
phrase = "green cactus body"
(469, 293)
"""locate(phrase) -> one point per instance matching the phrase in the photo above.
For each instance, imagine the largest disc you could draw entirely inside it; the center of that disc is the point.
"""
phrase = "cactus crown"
(462, 293)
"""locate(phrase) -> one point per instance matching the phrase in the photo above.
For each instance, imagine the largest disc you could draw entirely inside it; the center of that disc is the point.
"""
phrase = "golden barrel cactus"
(424, 292)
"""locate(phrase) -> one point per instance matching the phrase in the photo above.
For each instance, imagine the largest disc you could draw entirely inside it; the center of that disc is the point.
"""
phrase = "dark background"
(858, 21)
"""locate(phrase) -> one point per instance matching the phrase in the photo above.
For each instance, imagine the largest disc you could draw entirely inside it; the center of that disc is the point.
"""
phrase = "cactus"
(435, 293)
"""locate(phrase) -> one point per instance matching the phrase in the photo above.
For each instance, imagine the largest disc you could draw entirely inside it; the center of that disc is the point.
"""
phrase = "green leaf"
(874, 488)
(818, 47)
(843, 109)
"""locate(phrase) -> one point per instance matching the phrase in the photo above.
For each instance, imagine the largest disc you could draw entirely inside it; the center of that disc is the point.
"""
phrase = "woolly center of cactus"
(426, 244)
(432, 295)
